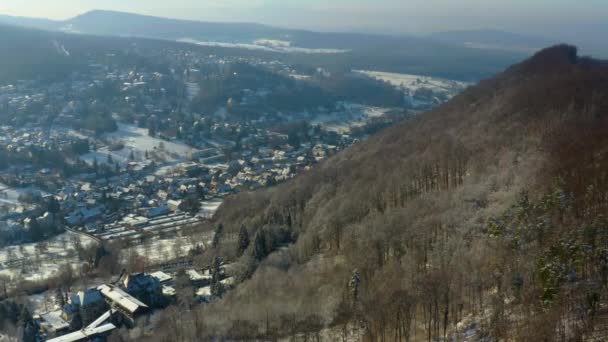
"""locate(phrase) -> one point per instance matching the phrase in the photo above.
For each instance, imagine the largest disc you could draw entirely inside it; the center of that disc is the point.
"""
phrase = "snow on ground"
(136, 142)
(10, 196)
(264, 44)
(158, 250)
(412, 83)
(28, 262)
(57, 131)
(300, 77)
(42, 303)
(208, 208)
(352, 115)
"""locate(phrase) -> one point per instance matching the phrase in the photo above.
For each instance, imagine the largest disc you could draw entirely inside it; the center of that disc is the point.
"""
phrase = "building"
(97, 330)
(122, 301)
(144, 287)
(162, 277)
(89, 302)
(53, 324)
(86, 334)
(198, 279)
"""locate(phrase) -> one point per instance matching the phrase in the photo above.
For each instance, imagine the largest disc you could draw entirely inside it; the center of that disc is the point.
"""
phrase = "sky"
(564, 19)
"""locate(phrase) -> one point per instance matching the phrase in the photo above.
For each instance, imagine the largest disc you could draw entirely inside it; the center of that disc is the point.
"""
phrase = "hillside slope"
(484, 216)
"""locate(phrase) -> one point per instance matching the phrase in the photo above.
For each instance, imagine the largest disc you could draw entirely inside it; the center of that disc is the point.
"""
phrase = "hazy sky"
(553, 18)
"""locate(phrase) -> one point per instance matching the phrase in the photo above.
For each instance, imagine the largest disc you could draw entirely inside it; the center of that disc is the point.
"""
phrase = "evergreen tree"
(217, 288)
(151, 130)
(26, 326)
(110, 160)
(76, 322)
(29, 333)
(217, 236)
(131, 156)
(25, 316)
(59, 298)
(53, 205)
(243, 241)
(190, 204)
(259, 245)
(35, 231)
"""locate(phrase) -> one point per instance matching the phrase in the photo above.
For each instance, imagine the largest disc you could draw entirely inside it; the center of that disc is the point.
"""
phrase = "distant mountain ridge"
(128, 24)
(401, 54)
(114, 23)
(493, 39)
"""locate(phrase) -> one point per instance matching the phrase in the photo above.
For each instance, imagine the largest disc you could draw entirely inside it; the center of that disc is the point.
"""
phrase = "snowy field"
(208, 208)
(136, 143)
(264, 44)
(10, 196)
(158, 250)
(34, 261)
(413, 83)
(352, 115)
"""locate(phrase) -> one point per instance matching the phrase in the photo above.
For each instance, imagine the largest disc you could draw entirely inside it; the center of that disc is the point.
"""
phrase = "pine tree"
(26, 326)
(76, 322)
(110, 160)
(217, 236)
(259, 246)
(243, 242)
(151, 130)
(53, 205)
(59, 298)
(25, 316)
(35, 231)
(217, 288)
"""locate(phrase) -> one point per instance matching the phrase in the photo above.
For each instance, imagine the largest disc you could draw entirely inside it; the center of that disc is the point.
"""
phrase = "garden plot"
(158, 250)
(42, 260)
(10, 195)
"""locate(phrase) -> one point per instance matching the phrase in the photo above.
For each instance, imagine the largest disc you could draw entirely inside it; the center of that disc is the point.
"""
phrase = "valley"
(174, 180)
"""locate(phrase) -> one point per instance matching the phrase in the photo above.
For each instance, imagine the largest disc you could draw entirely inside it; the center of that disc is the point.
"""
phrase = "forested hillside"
(485, 216)
(29, 54)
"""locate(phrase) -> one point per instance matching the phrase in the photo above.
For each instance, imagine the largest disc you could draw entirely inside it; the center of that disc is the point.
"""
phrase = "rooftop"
(161, 276)
(84, 334)
(121, 298)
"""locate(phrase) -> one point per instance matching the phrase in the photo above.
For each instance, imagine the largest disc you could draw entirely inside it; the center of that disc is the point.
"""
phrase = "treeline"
(225, 88)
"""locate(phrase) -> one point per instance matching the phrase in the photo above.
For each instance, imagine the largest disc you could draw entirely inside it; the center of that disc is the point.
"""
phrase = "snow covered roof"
(84, 298)
(194, 275)
(54, 321)
(84, 334)
(204, 291)
(168, 291)
(101, 319)
(121, 298)
(161, 276)
(228, 281)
